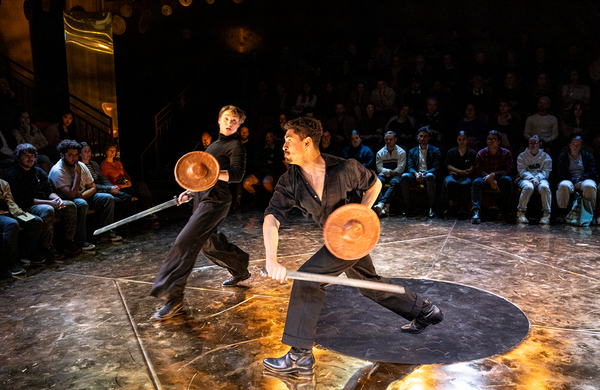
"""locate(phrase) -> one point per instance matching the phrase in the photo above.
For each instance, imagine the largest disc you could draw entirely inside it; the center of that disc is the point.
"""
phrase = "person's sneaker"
(111, 237)
(385, 211)
(378, 208)
(37, 258)
(71, 249)
(16, 269)
(25, 263)
(521, 218)
(171, 309)
(53, 254)
(475, 219)
(545, 219)
(88, 247)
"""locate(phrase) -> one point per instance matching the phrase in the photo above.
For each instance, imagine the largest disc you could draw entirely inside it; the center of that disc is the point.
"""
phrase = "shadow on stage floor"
(86, 323)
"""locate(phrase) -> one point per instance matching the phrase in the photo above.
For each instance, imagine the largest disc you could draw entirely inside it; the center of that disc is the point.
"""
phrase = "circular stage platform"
(477, 324)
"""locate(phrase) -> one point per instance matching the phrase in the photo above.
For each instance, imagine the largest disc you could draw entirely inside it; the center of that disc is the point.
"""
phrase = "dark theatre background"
(520, 301)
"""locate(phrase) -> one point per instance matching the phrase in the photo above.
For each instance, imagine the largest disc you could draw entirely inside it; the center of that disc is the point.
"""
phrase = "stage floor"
(86, 323)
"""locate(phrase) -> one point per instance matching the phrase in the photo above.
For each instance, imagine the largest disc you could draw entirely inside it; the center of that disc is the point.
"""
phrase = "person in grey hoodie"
(534, 166)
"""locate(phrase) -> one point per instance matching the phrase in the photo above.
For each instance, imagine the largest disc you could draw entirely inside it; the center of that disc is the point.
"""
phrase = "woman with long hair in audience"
(115, 173)
(63, 129)
(27, 133)
(576, 122)
(509, 126)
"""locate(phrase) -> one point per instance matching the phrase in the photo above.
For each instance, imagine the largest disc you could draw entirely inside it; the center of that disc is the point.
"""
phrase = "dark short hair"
(355, 132)
(496, 133)
(390, 133)
(109, 145)
(84, 144)
(425, 129)
(22, 148)
(306, 127)
(68, 144)
(236, 110)
(577, 138)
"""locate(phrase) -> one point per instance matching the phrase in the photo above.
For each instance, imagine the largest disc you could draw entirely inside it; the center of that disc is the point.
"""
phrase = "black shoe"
(234, 280)
(297, 360)
(53, 254)
(429, 315)
(462, 215)
(171, 309)
(475, 217)
(16, 269)
(431, 213)
(71, 249)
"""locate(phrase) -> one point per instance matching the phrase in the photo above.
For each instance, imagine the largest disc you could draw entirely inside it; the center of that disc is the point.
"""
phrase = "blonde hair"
(236, 110)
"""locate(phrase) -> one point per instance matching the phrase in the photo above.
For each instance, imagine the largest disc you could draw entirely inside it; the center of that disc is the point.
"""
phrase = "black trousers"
(307, 298)
(199, 234)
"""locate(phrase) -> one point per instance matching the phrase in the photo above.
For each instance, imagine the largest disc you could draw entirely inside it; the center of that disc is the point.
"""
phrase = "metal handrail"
(162, 123)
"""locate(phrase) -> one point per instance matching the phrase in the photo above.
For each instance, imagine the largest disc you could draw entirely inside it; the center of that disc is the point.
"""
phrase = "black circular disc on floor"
(477, 324)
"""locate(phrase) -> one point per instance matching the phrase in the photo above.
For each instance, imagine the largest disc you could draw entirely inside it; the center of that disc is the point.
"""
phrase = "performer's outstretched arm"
(370, 195)
(271, 238)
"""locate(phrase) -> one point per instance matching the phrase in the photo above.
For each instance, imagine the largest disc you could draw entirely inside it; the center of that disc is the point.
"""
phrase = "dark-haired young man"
(319, 184)
(73, 181)
(200, 233)
(494, 165)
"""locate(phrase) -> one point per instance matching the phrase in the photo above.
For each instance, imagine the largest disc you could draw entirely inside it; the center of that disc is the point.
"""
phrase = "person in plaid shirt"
(494, 166)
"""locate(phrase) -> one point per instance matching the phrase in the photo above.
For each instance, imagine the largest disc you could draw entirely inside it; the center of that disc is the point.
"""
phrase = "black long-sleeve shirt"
(27, 185)
(341, 178)
(231, 155)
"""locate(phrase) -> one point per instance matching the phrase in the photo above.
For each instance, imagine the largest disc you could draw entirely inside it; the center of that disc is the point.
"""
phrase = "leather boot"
(296, 360)
(430, 315)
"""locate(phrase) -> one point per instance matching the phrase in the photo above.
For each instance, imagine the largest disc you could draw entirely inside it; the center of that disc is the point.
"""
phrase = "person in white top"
(73, 181)
(390, 161)
(533, 167)
(542, 124)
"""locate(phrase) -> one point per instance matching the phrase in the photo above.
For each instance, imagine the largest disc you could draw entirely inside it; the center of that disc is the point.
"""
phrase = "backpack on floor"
(581, 214)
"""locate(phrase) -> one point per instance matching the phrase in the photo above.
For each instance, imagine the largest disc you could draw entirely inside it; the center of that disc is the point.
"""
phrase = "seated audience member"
(542, 124)
(341, 126)
(493, 165)
(7, 144)
(473, 126)
(435, 122)
(305, 99)
(358, 100)
(268, 164)
(73, 181)
(404, 126)
(415, 97)
(508, 126)
(576, 122)
(456, 190)
(244, 134)
(424, 162)
(327, 146)
(62, 130)
(116, 175)
(576, 172)
(10, 221)
(26, 133)
(359, 152)
(383, 98)
(102, 185)
(206, 140)
(541, 88)
(478, 96)
(533, 170)
(512, 93)
(390, 161)
(308, 112)
(575, 91)
(33, 193)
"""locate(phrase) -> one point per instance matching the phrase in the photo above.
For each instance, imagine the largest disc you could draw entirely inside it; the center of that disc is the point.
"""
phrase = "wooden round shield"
(197, 171)
(351, 231)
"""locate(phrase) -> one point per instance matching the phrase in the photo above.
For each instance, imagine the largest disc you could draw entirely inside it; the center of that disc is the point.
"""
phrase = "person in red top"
(115, 173)
(494, 166)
